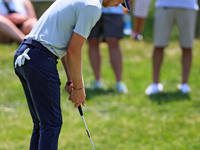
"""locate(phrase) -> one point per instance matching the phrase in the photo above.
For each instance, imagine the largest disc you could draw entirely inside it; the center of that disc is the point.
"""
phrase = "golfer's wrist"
(80, 88)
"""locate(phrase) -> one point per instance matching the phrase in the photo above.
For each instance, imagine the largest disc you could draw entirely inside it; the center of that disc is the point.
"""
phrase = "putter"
(81, 113)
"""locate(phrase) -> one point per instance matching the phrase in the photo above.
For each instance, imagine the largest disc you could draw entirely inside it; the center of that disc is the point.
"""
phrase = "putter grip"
(69, 83)
(80, 110)
(79, 107)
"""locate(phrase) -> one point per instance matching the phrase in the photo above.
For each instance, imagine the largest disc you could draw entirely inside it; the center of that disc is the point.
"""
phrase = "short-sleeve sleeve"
(87, 18)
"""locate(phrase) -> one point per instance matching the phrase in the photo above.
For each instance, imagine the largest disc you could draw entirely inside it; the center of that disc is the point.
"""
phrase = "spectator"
(140, 13)
(59, 33)
(168, 13)
(110, 27)
(17, 18)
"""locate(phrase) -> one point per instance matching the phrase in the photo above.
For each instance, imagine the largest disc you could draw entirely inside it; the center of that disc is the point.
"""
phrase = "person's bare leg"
(138, 24)
(9, 31)
(115, 57)
(28, 25)
(95, 57)
(186, 63)
(157, 62)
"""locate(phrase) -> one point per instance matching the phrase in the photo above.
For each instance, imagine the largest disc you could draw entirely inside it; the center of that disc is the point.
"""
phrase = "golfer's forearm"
(74, 61)
(65, 66)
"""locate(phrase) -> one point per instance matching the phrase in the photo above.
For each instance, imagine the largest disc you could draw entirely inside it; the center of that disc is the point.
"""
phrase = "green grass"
(167, 121)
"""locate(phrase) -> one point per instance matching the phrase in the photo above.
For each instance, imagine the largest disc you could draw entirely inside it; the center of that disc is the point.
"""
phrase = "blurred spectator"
(168, 13)
(140, 13)
(127, 18)
(17, 18)
(110, 28)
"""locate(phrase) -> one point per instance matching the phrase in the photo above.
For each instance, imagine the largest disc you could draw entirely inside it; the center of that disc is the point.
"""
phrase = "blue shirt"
(188, 4)
(113, 10)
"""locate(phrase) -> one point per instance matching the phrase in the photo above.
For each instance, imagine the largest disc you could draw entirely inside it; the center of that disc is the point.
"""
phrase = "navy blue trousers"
(41, 84)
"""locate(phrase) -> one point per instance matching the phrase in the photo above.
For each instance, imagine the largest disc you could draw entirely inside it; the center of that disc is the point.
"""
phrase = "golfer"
(59, 34)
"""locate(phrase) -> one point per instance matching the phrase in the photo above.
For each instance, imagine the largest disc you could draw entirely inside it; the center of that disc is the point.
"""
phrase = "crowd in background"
(17, 18)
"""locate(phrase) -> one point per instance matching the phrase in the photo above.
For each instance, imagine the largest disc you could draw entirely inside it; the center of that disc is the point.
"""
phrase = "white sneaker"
(154, 88)
(121, 87)
(184, 88)
(136, 36)
(97, 85)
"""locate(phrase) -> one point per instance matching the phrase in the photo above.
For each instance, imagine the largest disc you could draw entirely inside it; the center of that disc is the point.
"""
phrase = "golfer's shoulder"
(92, 5)
(91, 8)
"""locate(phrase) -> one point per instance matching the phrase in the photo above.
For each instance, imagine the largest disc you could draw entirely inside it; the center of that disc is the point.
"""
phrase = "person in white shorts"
(168, 13)
(140, 13)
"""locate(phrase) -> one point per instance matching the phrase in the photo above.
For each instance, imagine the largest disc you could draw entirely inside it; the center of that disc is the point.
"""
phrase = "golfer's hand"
(77, 97)
(21, 58)
(69, 87)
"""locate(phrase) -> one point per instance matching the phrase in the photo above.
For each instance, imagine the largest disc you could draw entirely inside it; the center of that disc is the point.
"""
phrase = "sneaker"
(154, 88)
(97, 85)
(136, 36)
(184, 88)
(121, 87)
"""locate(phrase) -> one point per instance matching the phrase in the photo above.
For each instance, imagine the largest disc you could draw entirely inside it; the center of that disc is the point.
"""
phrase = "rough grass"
(167, 121)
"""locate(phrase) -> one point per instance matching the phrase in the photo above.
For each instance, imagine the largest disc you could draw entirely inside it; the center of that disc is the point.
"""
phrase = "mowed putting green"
(134, 121)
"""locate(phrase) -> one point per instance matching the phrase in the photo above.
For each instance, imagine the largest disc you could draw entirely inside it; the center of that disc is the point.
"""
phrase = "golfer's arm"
(64, 62)
(74, 59)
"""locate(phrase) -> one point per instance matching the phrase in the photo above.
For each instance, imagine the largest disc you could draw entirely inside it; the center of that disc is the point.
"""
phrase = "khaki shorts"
(141, 8)
(166, 18)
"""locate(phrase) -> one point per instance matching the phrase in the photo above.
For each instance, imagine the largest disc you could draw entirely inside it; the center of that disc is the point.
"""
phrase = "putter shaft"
(81, 113)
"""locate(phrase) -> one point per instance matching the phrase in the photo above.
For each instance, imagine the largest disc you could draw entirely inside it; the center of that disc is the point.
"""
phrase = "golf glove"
(21, 58)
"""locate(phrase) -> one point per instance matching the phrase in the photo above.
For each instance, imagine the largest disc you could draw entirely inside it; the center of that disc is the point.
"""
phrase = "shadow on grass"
(166, 97)
(90, 92)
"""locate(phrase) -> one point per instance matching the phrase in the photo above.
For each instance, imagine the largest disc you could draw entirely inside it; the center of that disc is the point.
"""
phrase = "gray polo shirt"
(56, 26)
